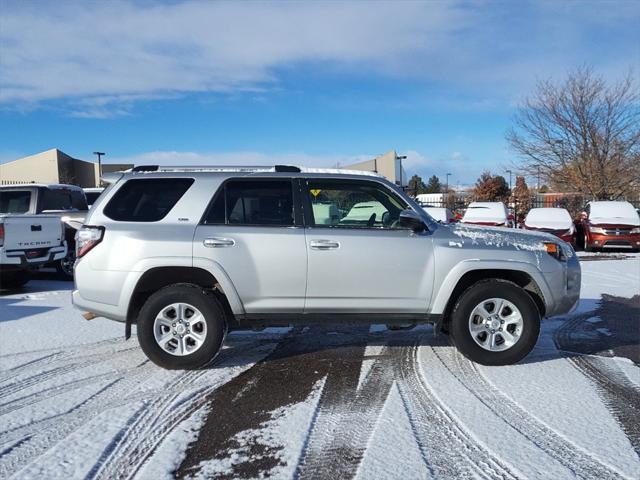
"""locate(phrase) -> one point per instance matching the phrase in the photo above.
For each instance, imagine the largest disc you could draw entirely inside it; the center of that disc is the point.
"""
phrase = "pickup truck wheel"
(64, 266)
(181, 327)
(13, 280)
(495, 322)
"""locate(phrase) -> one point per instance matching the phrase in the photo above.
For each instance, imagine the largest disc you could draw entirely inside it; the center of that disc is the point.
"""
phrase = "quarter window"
(242, 202)
(147, 200)
(354, 205)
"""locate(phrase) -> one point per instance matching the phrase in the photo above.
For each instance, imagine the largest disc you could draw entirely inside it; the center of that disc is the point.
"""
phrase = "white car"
(440, 214)
(493, 214)
(556, 221)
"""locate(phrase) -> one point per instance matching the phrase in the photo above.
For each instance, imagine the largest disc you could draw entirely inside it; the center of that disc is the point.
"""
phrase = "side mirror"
(411, 220)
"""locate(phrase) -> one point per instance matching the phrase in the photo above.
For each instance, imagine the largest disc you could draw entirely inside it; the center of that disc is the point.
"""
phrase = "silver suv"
(190, 253)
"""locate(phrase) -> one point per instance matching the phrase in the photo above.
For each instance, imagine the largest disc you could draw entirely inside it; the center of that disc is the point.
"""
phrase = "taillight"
(87, 238)
(1, 234)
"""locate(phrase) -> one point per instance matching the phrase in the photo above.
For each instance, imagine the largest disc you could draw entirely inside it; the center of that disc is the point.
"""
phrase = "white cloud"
(119, 53)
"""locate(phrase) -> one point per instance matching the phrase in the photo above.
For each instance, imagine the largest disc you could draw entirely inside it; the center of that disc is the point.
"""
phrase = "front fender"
(446, 288)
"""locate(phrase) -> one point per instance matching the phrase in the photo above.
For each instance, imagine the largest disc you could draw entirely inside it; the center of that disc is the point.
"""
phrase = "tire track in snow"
(153, 422)
(434, 427)
(566, 453)
(340, 435)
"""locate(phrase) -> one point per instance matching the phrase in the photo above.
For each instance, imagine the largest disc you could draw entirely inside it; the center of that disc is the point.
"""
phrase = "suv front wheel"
(495, 322)
(181, 326)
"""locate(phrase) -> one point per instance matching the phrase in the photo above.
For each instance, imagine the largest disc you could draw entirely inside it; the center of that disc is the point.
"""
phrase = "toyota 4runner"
(189, 253)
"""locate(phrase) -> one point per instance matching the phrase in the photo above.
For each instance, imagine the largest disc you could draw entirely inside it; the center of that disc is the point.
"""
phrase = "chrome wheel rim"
(496, 324)
(180, 329)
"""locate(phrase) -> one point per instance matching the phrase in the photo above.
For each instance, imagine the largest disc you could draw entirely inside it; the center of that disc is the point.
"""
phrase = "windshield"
(15, 201)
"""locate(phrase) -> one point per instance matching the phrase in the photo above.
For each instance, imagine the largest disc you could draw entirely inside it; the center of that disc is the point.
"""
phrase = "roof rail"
(247, 169)
(216, 168)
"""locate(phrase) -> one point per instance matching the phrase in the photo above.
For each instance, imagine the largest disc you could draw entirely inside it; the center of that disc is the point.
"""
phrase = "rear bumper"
(19, 260)
(112, 312)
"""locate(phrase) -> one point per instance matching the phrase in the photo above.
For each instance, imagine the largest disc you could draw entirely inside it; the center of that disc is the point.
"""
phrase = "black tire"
(14, 280)
(483, 290)
(64, 266)
(214, 316)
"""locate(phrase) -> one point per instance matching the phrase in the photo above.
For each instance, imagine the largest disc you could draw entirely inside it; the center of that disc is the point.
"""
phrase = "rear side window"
(253, 203)
(146, 200)
(56, 199)
(15, 201)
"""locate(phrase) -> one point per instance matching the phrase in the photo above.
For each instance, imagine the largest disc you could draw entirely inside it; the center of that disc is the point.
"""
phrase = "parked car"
(67, 202)
(92, 194)
(493, 214)
(610, 224)
(556, 221)
(440, 214)
(26, 241)
(218, 249)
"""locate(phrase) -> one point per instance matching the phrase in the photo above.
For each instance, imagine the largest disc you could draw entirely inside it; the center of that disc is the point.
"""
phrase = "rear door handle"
(324, 244)
(212, 242)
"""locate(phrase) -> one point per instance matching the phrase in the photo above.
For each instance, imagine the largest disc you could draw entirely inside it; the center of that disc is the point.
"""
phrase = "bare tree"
(583, 135)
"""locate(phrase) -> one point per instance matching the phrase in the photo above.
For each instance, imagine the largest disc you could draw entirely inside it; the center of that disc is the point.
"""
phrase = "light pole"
(446, 190)
(99, 155)
(401, 157)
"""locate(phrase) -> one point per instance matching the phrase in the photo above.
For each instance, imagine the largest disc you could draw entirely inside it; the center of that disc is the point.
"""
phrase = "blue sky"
(311, 83)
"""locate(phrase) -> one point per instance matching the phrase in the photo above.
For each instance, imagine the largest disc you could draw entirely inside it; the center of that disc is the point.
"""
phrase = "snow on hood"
(495, 212)
(618, 213)
(554, 218)
(518, 239)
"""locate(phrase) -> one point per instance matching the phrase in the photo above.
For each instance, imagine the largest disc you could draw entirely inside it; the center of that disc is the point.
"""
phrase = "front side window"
(15, 201)
(243, 202)
(352, 204)
(146, 200)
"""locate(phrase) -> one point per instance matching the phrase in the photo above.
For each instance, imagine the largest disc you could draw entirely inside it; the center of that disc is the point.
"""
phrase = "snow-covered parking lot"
(77, 401)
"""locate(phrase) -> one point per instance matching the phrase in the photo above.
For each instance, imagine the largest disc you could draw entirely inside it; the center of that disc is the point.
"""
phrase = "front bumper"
(599, 240)
(564, 285)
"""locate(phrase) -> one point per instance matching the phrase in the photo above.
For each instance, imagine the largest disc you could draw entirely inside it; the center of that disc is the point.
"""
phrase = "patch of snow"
(620, 213)
(495, 212)
(555, 218)
(377, 328)
(370, 352)
(455, 244)
(604, 331)
(594, 320)
(393, 447)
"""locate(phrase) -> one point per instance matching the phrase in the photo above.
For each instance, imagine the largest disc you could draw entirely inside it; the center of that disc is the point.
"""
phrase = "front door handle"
(212, 242)
(324, 244)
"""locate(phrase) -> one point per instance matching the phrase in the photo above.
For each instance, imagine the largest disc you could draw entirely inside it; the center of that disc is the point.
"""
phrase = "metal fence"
(520, 207)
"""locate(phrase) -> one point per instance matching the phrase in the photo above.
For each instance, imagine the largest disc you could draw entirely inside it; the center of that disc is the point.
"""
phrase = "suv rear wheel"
(16, 279)
(181, 327)
(495, 322)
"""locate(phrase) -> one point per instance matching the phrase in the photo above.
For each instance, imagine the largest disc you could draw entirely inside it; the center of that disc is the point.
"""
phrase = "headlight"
(555, 250)
(635, 230)
(596, 230)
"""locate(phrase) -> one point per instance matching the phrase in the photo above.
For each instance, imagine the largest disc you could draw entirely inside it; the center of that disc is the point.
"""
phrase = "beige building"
(54, 166)
(388, 165)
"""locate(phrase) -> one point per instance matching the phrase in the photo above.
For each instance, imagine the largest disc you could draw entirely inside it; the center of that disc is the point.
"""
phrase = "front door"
(252, 232)
(360, 259)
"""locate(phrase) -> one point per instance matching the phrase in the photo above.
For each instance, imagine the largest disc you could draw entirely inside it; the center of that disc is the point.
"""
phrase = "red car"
(556, 221)
(609, 224)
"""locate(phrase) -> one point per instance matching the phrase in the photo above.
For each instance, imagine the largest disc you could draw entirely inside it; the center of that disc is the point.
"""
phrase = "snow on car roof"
(556, 218)
(615, 212)
(439, 214)
(486, 212)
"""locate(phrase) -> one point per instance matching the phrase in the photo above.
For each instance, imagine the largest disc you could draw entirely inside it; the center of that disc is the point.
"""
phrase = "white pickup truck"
(26, 242)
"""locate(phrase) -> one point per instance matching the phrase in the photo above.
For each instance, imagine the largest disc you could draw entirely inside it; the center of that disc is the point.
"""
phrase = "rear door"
(360, 259)
(253, 229)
